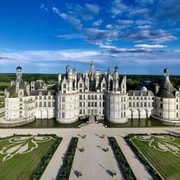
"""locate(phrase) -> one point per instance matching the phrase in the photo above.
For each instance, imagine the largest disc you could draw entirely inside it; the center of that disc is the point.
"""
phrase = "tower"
(116, 79)
(19, 80)
(19, 74)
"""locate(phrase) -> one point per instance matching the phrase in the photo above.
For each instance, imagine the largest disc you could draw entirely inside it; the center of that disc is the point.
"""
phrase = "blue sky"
(43, 36)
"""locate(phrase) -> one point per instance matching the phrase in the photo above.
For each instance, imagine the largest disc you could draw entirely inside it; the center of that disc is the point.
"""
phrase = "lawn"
(162, 151)
(20, 155)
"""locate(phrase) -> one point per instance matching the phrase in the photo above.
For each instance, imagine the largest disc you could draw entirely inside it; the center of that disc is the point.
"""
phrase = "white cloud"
(42, 6)
(93, 8)
(76, 23)
(56, 10)
(53, 61)
(118, 7)
(149, 35)
(150, 46)
(98, 22)
(140, 12)
(70, 36)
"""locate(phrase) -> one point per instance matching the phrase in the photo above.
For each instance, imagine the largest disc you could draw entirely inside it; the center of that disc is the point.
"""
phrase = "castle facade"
(93, 94)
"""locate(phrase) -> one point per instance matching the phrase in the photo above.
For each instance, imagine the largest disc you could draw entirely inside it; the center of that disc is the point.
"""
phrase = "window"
(80, 97)
(49, 104)
(63, 99)
(63, 115)
(64, 85)
(80, 111)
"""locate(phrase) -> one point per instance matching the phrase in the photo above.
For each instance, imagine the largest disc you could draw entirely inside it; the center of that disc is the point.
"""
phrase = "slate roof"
(166, 89)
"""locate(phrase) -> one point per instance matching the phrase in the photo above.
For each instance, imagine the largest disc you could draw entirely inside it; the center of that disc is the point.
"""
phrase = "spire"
(92, 66)
(166, 79)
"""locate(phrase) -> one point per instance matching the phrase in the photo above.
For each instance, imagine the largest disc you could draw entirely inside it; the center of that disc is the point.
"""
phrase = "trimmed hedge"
(144, 161)
(122, 162)
(65, 169)
(46, 158)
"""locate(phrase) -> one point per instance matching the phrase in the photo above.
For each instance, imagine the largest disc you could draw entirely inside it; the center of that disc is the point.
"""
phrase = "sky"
(43, 36)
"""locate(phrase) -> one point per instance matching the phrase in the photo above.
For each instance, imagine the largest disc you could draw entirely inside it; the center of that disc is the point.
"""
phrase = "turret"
(92, 67)
(19, 74)
(116, 79)
(97, 79)
(19, 80)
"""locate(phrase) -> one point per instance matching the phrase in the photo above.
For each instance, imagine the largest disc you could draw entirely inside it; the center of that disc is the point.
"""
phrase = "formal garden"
(26, 156)
(160, 153)
(65, 169)
(122, 162)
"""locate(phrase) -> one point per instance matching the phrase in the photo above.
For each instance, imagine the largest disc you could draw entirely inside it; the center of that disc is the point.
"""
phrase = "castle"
(93, 94)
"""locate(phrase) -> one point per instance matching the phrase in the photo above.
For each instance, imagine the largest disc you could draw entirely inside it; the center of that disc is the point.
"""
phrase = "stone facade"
(101, 95)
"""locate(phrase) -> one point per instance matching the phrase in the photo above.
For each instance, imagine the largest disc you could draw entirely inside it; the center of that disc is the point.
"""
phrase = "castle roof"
(166, 89)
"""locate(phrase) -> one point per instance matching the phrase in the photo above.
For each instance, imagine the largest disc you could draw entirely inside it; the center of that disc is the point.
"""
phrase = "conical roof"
(166, 89)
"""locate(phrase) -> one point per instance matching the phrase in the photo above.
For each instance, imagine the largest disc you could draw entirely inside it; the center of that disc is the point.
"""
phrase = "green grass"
(21, 166)
(166, 163)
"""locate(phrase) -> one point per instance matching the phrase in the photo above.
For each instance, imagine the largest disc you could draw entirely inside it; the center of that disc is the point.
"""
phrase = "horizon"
(142, 37)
